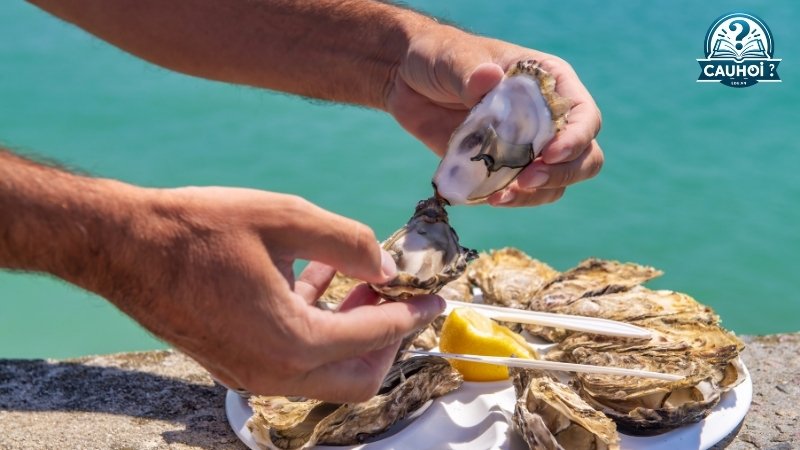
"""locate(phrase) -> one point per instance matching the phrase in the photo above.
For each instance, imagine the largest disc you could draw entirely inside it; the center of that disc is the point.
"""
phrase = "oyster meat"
(286, 423)
(427, 253)
(502, 134)
(508, 277)
(551, 416)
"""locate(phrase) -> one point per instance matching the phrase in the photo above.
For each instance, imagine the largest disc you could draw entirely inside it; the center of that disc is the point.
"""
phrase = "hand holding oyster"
(502, 134)
(427, 253)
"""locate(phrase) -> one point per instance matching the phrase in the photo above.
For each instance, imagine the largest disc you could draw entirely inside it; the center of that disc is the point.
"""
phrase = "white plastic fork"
(578, 323)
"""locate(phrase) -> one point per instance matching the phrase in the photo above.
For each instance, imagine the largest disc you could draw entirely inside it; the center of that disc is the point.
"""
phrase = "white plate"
(477, 416)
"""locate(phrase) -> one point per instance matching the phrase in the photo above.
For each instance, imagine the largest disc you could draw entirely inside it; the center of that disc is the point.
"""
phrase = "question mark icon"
(771, 70)
(742, 33)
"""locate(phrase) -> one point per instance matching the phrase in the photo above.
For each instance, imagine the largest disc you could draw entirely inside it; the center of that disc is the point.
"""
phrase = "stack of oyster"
(504, 133)
(687, 340)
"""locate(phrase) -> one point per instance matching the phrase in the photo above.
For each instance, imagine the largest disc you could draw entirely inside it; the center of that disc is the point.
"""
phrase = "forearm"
(66, 225)
(340, 50)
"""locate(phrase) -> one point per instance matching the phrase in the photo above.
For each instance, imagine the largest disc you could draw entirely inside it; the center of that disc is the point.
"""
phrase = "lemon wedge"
(467, 331)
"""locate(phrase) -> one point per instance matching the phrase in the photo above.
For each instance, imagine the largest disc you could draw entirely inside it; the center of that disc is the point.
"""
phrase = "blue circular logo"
(738, 52)
(739, 36)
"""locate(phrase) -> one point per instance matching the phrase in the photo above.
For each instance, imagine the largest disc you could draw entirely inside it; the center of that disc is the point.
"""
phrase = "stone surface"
(162, 399)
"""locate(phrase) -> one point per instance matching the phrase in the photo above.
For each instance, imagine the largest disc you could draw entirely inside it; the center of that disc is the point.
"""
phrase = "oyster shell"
(638, 303)
(284, 423)
(502, 134)
(590, 278)
(427, 253)
(508, 277)
(704, 353)
(337, 290)
(551, 416)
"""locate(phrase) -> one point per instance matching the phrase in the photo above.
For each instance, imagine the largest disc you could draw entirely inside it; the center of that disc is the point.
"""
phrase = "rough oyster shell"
(703, 352)
(638, 303)
(337, 290)
(590, 278)
(502, 134)
(427, 253)
(551, 416)
(284, 423)
(508, 277)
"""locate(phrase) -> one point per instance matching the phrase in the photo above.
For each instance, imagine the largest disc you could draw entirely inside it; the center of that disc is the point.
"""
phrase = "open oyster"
(551, 416)
(427, 253)
(285, 423)
(503, 133)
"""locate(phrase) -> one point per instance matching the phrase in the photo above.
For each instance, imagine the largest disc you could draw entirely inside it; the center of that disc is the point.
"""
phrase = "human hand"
(447, 71)
(209, 270)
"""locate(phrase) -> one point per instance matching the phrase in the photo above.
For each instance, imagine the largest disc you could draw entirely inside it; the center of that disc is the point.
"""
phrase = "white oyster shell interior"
(426, 249)
(519, 114)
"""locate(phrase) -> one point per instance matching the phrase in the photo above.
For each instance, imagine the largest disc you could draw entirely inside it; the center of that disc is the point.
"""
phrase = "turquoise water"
(700, 179)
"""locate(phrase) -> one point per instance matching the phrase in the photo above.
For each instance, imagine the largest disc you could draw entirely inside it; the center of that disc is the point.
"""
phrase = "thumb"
(360, 329)
(479, 81)
(315, 234)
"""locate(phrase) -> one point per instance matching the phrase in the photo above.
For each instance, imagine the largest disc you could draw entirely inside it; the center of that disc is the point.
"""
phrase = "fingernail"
(442, 304)
(538, 178)
(388, 266)
(430, 310)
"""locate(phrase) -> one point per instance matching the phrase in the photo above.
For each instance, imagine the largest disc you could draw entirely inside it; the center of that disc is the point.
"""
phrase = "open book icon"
(724, 48)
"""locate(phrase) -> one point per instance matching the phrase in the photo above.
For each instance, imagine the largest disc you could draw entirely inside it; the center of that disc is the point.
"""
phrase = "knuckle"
(550, 196)
(599, 119)
(596, 163)
(567, 175)
(556, 195)
(557, 60)
(365, 236)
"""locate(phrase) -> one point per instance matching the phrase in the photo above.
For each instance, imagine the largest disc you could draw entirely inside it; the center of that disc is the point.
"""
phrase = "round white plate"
(477, 416)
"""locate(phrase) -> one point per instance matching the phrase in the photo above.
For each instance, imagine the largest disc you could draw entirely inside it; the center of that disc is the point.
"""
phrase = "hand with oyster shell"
(447, 71)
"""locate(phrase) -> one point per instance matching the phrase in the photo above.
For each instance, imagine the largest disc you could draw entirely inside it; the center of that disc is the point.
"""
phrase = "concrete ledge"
(162, 399)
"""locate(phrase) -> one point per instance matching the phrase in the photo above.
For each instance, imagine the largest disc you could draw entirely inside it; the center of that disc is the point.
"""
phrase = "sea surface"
(700, 180)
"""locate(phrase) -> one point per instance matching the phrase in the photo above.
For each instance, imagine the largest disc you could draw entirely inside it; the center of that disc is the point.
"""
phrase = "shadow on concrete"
(39, 385)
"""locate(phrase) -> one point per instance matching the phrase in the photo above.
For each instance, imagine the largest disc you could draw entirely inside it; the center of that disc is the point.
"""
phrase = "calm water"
(700, 180)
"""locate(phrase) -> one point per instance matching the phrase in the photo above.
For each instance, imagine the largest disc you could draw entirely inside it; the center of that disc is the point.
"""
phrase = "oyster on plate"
(704, 353)
(508, 277)
(286, 423)
(502, 134)
(551, 416)
(427, 253)
(638, 303)
(590, 278)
